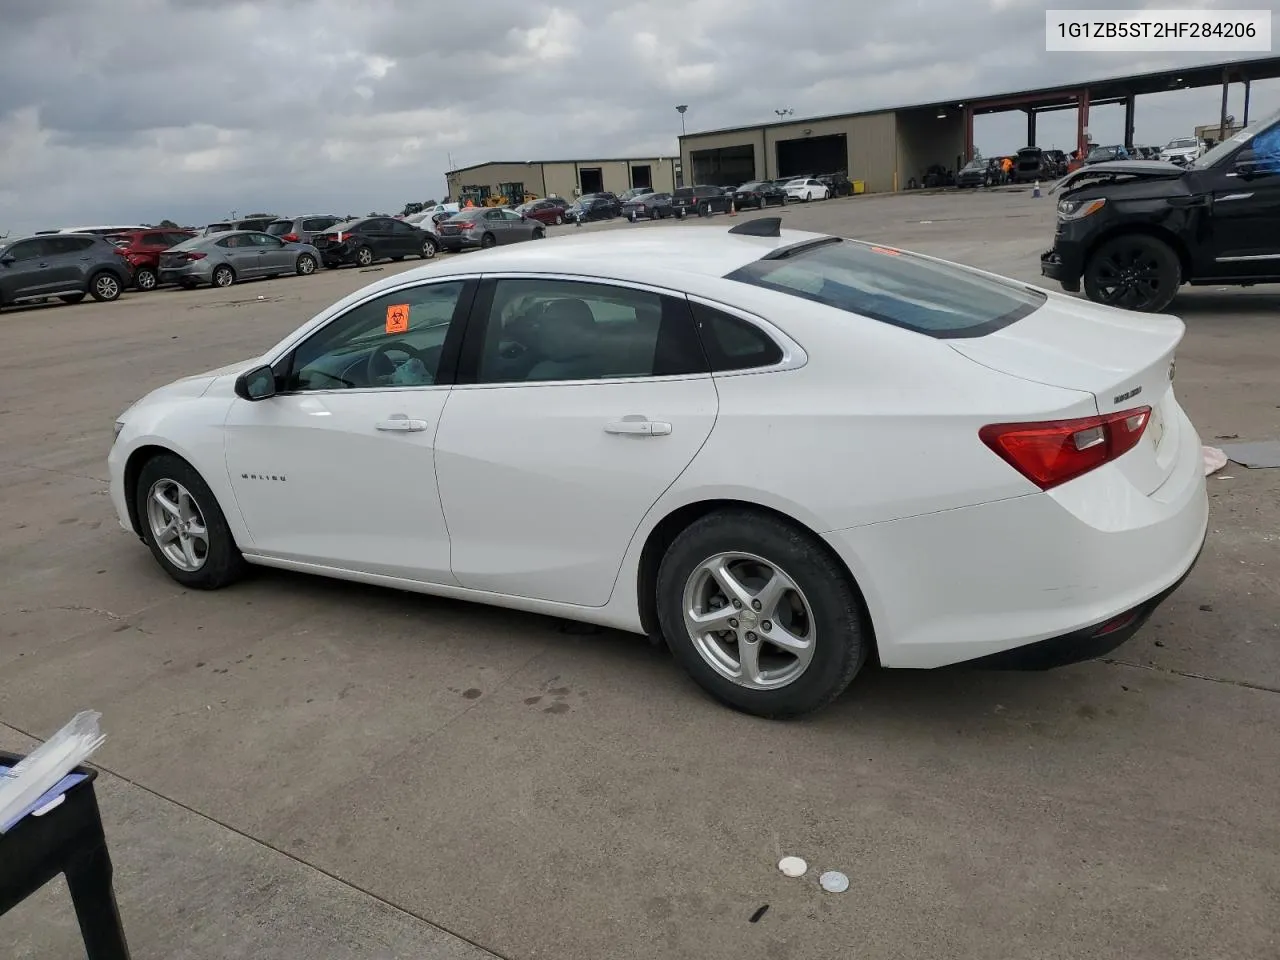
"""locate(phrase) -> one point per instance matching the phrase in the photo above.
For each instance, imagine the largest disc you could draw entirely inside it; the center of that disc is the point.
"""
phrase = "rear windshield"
(929, 297)
(280, 228)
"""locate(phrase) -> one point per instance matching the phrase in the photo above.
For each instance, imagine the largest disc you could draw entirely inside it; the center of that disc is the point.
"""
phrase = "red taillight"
(194, 255)
(465, 225)
(1052, 452)
(290, 238)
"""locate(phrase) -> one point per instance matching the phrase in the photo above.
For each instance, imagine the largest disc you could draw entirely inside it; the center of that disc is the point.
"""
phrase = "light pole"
(680, 109)
(784, 112)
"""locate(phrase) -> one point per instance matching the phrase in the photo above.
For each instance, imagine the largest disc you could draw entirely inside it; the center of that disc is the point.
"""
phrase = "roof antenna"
(759, 227)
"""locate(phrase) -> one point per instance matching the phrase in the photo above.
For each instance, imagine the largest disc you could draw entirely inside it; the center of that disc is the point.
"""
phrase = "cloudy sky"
(138, 110)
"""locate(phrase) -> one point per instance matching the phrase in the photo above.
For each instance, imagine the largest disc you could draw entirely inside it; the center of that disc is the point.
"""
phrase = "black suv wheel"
(1133, 272)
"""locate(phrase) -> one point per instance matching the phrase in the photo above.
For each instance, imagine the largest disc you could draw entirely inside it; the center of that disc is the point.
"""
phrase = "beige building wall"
(870, 139)
(562, 177)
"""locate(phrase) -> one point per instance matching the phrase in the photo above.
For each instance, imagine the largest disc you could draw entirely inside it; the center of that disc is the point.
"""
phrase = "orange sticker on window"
(888, 252)
(397, 318)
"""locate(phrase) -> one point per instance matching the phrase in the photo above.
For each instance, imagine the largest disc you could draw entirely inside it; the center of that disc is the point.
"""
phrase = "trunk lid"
(1124, 359)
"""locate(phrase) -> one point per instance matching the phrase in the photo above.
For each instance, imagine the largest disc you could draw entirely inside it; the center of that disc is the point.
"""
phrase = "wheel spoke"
(189, 551)
(169, 507)
(771, 593)
(782, 638)
(712, 621)
(749, 662)
(196, 531)
(730, 584)
(168, 534)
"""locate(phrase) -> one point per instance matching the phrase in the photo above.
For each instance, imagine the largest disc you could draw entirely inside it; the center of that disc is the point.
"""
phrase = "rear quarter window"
(936, 299)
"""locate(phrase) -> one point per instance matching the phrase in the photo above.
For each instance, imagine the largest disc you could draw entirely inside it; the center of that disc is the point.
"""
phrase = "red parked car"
(141, 249)
(549, 211)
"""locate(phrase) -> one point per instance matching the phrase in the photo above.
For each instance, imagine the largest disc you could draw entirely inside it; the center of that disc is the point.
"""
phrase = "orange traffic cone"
(733, 209)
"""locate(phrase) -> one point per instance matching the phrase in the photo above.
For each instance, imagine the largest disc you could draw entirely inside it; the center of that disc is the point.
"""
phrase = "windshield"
(1229, 145)
(927, 296)
(976, 165)
(1184, 142)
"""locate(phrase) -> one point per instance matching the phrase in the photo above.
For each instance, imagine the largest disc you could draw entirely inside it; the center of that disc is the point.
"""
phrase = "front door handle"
(638, 427)
(399, 423)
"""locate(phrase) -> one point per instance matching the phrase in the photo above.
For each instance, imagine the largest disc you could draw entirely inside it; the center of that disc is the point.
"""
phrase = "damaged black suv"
(1134, 231)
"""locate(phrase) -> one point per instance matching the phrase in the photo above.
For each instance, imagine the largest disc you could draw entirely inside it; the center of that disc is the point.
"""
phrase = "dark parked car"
(1056, 161)
(975, 173)
(1134, 231)
(302, 229)
(65, 265)
(634, 193)
(654, 206)
(593, 207)
(365, 240)
(547, 212)
(838, 184)
(759, 194)
(1031, 164)
(141, 250)
(702, 200)
(611, 198)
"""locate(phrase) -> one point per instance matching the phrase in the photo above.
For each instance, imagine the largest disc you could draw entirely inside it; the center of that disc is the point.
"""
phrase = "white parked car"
(806, 188)
(786, 453)
(1183, 150)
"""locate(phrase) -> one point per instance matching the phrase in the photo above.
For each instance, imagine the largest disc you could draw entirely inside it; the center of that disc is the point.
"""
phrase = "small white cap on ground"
(833, 881)
(792, 866)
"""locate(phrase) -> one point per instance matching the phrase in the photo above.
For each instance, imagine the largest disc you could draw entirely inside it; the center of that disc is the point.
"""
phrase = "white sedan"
(807, 188)
(784, 453)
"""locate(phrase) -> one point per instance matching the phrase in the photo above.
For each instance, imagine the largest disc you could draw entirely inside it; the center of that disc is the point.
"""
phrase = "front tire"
(184, 527)
(1133, 272)
(761, 614)
(559, 220)
(306, 265)
(539, 234)
(144, 278)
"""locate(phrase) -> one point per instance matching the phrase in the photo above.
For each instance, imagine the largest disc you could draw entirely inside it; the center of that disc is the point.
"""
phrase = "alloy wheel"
(749, 620)
(1129, 277)
(177, 525)
(107, 287)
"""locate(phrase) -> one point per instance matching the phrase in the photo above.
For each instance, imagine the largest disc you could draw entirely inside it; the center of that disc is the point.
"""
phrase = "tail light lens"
(1051, 452)
(290, 238)
(194, 255)
(465, 225)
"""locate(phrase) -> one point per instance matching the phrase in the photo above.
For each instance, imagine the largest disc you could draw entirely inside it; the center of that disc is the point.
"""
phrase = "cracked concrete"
(307, 768)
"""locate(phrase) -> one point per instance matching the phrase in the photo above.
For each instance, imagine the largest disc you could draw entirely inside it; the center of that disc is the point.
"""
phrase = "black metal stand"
(68, 840)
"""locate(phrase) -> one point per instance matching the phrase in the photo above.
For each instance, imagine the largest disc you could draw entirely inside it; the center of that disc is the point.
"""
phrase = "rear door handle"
(638, 427)
(399, 423)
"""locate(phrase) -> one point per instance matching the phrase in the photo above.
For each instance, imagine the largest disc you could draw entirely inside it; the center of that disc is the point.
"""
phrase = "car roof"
(658, 255)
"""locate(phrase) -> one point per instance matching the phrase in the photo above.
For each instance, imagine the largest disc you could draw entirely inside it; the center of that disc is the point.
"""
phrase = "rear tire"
(306, 265)
(487, 241)
(223, 276)
(429, 249)
(559, 220)
(144, 278)
(820, 608)
(364, 257)
(72, 297)
(104, 287)
(1133, 272)
(209, 564)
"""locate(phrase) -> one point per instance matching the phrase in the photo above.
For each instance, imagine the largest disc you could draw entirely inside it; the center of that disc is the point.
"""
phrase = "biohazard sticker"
(397, 318)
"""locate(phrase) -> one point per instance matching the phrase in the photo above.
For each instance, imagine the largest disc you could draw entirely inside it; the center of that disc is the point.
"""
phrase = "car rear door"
(578, 405)
(242, 254)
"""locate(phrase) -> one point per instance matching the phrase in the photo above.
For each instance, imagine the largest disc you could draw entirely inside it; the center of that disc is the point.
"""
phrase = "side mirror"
(256, 384)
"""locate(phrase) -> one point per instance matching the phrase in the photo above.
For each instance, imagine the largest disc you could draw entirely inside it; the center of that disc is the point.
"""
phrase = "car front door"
(1246, 208)
(24, 270)
(583, 404)
(338, 468)
(273, 255)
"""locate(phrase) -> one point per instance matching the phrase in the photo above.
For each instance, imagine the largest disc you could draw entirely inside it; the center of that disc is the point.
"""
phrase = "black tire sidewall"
(1170, 267)
(837, 609)
(224, 562)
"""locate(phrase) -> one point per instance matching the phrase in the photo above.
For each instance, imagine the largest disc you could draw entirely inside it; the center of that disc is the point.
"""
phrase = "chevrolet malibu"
(782, 453)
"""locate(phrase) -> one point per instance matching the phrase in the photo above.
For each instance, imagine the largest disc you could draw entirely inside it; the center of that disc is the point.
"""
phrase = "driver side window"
(394, 340)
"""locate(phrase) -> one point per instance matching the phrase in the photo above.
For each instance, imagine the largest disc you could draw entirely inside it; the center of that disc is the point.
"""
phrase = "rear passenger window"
(732, 343)
(318, 223)
(546, 330)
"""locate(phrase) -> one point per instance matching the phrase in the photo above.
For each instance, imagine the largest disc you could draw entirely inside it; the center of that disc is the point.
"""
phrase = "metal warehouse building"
(885, 149)
(561, 178)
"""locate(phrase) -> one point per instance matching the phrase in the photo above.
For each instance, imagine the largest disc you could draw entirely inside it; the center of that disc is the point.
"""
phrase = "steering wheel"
(379, 357)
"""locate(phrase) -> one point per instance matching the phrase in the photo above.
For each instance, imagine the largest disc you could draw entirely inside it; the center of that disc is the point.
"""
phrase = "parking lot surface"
(306, 768)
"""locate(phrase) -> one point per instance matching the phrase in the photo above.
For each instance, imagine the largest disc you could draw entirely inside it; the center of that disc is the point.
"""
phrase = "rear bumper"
(198, 270)
(459, 242)
(964, 584)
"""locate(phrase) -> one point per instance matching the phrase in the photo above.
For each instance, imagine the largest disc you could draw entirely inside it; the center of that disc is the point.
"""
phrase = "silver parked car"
(487, 227)
(225, 258)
